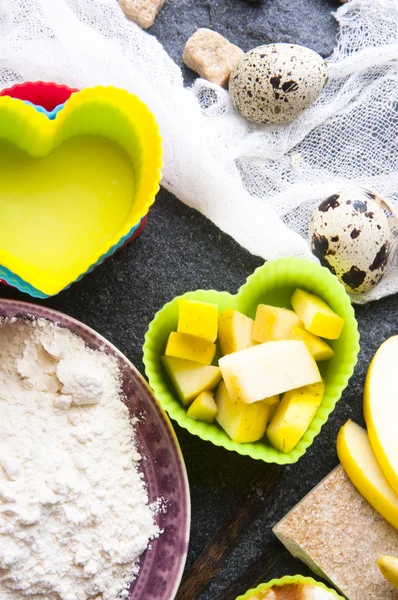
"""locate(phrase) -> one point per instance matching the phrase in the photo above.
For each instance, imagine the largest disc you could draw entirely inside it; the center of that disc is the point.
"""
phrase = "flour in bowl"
(74, 513)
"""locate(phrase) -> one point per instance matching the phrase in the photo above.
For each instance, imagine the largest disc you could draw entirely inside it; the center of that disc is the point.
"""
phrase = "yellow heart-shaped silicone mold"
(71, 189)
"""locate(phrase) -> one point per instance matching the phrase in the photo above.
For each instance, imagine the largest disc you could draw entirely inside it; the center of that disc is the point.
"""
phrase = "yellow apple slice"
(242, 422)
(190, 347)
(360, 464)
(294, 415)
(268, 369)
(316, 315)
(274, 323)
(318, 348)
(198, 318)
(190, 378)
(203, 408)
(381, 408)
(235, 331)
(388, 566)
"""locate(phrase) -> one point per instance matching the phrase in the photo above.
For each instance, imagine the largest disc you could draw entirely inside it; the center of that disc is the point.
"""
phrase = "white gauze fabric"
(258, 184)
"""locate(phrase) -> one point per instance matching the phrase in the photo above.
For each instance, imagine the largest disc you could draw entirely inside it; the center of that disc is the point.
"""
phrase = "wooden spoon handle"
(253, 576)
(217, 549)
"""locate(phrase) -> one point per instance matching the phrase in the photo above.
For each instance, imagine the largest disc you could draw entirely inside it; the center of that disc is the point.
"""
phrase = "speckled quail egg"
(350, 234)
(275, 83)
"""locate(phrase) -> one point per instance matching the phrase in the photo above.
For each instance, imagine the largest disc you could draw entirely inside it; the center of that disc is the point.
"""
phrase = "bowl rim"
(33, 310)
(169, 400)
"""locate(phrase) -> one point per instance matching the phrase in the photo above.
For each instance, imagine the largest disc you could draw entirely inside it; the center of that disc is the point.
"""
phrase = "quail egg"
(350, 234)
(275, 83)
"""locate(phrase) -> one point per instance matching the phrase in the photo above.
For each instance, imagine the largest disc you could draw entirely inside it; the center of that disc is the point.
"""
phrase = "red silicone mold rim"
(45, 94)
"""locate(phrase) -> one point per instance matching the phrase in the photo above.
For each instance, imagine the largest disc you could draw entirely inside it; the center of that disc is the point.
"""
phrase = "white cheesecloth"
(258, 184)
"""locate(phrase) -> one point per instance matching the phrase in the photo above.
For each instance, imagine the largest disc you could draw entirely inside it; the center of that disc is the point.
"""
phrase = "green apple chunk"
(242, 422)
(198, 318)
(318, 348)
(274, 323)
(190, 378)
(318, 318)
(268, 369)
(294, 415)
(273, 408)
(190, 347)
(235, 331)
(203, 408)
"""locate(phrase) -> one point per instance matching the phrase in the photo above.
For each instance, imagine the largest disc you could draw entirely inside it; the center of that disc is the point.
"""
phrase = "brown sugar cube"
(142, 12)
(211, 55)
(340, 537)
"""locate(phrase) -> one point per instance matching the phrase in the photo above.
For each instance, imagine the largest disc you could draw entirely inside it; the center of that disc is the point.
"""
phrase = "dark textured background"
(181, 250)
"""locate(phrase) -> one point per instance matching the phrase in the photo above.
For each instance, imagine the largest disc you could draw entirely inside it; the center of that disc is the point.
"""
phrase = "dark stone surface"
(181, 250)
(247, 24)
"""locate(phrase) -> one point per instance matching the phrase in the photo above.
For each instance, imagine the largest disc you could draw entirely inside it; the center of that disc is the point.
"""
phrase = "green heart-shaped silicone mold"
(273, 283)
(285, 581)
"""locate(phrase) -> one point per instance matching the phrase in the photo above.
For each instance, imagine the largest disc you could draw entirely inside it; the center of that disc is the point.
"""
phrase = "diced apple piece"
(242, 422)
(190, 347)
(360, 464)
(388, 566)
(203, 408)
(294, 415)
(268, 369)
(235, 331)
(316, 315)
(271, 400)
(381, 408)
(274, 323)
(318, 348)
(272, 409)
(198, 318)
(190, 378)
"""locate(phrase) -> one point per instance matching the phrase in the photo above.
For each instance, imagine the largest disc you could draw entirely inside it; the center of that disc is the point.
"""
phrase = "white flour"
(74, 514)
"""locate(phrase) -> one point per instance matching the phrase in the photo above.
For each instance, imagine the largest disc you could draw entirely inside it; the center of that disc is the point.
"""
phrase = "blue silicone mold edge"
(16, 281)
(51, 114)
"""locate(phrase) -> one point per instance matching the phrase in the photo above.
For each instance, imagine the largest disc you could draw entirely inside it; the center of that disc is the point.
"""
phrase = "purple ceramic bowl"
(163, 466)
